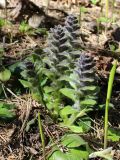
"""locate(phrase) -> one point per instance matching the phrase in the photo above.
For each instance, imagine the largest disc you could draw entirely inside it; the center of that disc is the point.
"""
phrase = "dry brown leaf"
(6, 134)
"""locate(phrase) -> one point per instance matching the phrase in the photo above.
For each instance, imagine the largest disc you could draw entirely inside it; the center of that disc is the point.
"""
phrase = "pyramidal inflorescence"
(58, 48)
(86, 73)
(73, 30)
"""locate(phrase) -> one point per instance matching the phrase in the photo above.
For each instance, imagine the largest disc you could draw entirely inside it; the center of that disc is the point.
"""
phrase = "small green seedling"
(24, 27)
(105, 20)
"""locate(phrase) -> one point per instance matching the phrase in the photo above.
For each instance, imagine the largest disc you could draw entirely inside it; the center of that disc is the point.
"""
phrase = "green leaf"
(36, 95)
(43, 82)
(48, 73)
(24, 74)
(13, 67)
(82, 112)
(112, 47)
(24, 27)
(5, 75)
(83, 9)
(2, 50)
(88, 102)
(111, 79)
(70, 93)
(85, 123)
(58, 155)
(63, 63)
(89, 88)
(6, 110)
(67, 111)
(76, 129)
(74, 79)
(77, 149)
(64, 78)
(42, 31)
(26, 84)
(114, 135)
(48, 89)
(104, 19)
(80, 154)
(72, 140)
(72, 154)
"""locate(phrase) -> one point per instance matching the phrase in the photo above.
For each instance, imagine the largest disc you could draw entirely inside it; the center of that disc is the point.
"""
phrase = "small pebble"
(2, 3)
(35, 21)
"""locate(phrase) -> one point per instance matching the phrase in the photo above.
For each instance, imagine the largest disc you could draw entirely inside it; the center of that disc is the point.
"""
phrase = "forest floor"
(20, 137)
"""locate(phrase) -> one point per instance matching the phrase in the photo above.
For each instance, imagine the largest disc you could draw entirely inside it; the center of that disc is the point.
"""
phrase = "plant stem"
(80, 19)
(98, 30)
(109, 91)
(107, 7)
(41, 135)
(113, 10)
(5, 12)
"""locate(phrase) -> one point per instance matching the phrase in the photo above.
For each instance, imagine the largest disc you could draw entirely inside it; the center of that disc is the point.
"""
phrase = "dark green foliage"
(71, 147)
(7, 111)
(33, 78)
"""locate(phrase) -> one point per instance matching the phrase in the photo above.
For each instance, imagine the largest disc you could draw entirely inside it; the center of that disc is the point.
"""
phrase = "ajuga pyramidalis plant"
(73, 30)
(86, 82)
(84, 95)
(58, 60)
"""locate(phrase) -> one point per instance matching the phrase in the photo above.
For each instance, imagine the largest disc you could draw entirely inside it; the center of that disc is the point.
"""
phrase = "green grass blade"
(109, 92)
(41, 135)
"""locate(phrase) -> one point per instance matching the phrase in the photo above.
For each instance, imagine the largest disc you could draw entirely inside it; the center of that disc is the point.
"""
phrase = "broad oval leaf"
(76, 129)
(81, 154)
(6, 110)
(25, 84)
(88, 102)
(67, 110)
(58, 155)
(70, 93)
(72, 140)
(113, 135)
(89, 88)
(5, 75)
